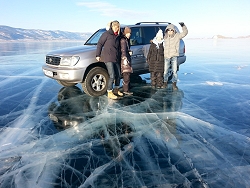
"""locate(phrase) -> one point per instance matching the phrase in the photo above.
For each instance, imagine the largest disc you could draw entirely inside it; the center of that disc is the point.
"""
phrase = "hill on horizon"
(8, 33)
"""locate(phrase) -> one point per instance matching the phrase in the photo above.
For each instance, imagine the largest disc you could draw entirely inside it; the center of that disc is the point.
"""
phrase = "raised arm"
(184, 30)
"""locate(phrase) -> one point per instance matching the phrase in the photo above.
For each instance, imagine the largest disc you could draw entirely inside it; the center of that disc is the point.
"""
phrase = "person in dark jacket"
(155, 59)
(171, 51)
(126, 67)
(108, 51)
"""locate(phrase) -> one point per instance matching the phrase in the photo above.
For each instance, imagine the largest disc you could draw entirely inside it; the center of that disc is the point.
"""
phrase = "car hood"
(73, 50)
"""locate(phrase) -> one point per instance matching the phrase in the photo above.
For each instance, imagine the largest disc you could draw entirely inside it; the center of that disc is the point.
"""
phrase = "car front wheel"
(96, 82)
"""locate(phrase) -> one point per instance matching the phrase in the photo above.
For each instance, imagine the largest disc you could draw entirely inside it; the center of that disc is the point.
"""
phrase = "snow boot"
(165, 85)
(111, 95)
(174, 86)
(117, 92)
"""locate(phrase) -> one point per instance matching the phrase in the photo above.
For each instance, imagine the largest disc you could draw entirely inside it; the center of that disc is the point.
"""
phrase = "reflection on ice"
(140, 141)
(73, 107)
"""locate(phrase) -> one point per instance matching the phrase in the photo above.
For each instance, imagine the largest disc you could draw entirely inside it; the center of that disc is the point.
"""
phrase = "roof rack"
(139, 23)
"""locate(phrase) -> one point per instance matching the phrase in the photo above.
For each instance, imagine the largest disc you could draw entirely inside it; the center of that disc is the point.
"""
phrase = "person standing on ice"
(155, 59)
(126, 68)
(108, 51)
(171, 51)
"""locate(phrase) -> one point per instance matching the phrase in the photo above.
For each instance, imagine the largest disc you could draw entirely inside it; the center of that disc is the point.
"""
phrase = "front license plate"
(48, 73)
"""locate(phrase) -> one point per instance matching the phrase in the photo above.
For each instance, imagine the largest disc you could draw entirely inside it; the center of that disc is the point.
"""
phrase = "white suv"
(74, 65)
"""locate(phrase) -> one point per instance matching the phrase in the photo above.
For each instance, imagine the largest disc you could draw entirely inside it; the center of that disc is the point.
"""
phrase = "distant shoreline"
(11, 34)
(4, 41)
(83, 41)
(237, 38)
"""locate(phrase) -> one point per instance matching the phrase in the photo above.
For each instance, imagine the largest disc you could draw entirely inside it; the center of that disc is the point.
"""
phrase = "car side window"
(163, 29)
(136, 36)
(95, 37)
(149, 34)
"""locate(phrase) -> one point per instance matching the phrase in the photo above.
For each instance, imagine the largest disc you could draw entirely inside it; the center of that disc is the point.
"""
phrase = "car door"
(149, 33)
(138, 58)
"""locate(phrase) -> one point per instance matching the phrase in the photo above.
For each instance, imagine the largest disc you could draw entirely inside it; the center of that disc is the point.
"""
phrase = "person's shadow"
(161, 100)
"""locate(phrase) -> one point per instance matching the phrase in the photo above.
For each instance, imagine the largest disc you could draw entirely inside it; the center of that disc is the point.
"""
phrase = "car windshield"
(95, 37)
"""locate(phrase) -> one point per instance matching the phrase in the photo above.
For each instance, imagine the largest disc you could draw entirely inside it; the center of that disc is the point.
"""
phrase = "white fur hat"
(159, 34)
(108, 25)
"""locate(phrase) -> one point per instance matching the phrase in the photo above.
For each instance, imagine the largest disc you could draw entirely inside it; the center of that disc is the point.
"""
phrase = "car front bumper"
(64, 73)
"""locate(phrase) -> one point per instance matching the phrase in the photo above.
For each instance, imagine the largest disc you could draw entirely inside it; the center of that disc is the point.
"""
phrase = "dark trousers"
(156, 79)
(114, 74)
(126, 80)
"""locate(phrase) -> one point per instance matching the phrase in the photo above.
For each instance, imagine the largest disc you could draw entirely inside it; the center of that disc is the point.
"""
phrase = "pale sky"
(204, 18)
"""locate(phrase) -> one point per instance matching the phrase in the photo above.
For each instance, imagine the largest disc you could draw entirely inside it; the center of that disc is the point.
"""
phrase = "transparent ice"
(198, 136)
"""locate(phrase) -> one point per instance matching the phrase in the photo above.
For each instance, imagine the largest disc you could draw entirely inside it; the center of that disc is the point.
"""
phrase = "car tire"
(65, 83)
(96, 82)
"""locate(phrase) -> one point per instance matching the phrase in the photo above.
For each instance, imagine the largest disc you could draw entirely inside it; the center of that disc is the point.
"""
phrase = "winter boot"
(117, 92)
(165, 85)
(174, 86)
(111, 95)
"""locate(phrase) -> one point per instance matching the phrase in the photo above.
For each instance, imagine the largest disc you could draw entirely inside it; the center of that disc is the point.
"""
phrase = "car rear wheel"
(96, 82)
(65, 83)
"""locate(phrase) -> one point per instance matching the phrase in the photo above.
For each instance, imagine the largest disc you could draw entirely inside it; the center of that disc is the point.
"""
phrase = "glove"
(182, 24)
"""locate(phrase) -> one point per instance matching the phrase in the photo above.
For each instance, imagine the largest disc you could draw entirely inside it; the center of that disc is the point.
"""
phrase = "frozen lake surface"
(198, 136)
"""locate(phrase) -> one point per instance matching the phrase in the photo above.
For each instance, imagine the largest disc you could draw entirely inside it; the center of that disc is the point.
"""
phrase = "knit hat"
(126, 30)
(159, 34)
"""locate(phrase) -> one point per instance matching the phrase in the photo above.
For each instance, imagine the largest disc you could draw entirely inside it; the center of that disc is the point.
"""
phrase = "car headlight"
(69, 60)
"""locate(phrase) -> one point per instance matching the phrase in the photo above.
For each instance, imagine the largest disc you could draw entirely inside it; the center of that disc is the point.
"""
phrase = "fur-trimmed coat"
(172, 42)
(155, 57)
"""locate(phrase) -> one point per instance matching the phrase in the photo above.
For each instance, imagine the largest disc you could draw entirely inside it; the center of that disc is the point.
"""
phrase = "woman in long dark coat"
(155, 59)
(126, 67)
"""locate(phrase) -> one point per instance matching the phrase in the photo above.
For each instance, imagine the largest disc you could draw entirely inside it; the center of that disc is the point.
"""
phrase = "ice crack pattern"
(140, 141)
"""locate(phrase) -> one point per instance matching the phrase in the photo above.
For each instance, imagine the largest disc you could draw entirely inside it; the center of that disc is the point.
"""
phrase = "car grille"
(53, 60)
